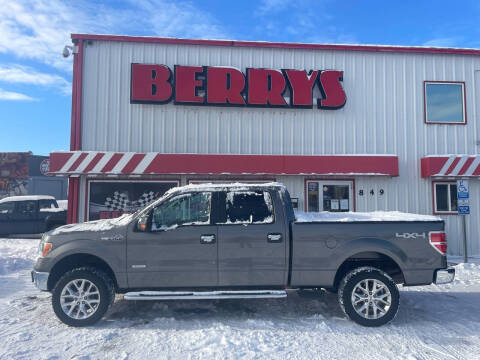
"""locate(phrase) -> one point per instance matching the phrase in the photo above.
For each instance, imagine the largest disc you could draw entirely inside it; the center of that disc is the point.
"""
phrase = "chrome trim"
(40, 279)
(444, 276)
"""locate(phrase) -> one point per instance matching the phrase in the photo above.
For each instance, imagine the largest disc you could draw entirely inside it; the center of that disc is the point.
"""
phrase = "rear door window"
(25, 209)
(247, 207)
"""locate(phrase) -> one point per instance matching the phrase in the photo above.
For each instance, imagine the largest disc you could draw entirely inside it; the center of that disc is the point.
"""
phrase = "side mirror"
(142, 223)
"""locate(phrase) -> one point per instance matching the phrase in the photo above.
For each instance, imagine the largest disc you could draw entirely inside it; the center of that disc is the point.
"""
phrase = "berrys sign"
(227, 86)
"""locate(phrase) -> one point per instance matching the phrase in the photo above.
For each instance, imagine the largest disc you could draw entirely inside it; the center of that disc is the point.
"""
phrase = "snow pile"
(17, 255)
(97, 225)
(326, 216)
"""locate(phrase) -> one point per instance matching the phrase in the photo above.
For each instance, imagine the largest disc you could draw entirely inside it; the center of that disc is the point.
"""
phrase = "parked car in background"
(30, 214)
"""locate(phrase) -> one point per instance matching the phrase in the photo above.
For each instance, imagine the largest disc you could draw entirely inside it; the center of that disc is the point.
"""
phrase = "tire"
(379, 307)
(89, 309)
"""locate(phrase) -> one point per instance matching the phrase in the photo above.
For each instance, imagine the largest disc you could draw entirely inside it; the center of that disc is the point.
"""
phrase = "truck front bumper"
(444, 276)
(40, 279)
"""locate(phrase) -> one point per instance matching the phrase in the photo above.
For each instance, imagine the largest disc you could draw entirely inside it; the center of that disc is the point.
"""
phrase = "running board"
(228, 294)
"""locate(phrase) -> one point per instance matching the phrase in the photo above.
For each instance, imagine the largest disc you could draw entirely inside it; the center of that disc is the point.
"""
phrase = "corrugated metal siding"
(383, 114)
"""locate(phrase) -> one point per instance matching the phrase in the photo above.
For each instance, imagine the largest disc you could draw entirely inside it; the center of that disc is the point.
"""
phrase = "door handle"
(207, 239)
(274, 238)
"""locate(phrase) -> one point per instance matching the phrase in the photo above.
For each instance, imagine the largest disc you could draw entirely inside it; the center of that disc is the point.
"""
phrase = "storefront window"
(445, 198)
(335, 196)
(110, 199)
(444, 102)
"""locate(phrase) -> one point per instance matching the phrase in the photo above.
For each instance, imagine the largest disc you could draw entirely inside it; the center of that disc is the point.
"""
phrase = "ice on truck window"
(248, 207)
(185, 209)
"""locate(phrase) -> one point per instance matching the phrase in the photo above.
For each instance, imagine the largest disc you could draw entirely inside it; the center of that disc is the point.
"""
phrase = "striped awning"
(451, 165)
(128, 163)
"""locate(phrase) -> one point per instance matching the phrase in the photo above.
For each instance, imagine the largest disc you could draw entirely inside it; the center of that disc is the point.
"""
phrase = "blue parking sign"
(462, 189)
(463, 197)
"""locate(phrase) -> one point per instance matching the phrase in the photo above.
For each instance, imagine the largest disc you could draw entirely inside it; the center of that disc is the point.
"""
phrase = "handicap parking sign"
(462, 189)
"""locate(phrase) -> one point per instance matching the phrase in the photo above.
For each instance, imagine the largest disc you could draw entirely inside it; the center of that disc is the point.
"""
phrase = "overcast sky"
(35, 80)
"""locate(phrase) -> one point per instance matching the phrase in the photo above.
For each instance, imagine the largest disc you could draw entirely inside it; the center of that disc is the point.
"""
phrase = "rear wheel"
(369, 296)
(82, 296)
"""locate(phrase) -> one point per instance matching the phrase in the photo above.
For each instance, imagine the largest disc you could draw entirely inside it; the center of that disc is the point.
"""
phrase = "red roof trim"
(262, 44)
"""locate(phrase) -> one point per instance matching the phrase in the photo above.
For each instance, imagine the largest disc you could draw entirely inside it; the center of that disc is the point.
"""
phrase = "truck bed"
(322, 242)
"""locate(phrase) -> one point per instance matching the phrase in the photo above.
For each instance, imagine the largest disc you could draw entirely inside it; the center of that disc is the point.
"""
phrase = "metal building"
(349, 128)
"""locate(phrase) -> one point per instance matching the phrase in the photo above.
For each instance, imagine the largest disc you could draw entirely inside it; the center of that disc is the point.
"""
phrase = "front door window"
(185, 209)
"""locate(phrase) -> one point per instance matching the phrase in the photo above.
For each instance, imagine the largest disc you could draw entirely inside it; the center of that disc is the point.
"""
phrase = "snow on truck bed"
(326, 216)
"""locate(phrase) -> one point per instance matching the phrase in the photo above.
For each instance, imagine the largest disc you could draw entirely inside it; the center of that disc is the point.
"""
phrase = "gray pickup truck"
(239, 241)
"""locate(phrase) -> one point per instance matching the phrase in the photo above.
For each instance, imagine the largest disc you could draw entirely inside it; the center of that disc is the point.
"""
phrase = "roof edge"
(282, 45)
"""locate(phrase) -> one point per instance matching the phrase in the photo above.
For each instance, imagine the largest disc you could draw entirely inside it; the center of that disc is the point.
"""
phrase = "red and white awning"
(114, 163)
(451, 165)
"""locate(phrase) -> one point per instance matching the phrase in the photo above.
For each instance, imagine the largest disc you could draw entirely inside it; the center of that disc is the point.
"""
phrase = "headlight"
(44, 247)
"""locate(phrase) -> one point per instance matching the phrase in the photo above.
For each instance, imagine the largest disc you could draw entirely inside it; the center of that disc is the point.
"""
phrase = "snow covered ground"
(434, 322)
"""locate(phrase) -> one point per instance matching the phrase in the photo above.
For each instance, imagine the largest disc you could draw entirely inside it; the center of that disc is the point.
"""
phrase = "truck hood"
(94, 226)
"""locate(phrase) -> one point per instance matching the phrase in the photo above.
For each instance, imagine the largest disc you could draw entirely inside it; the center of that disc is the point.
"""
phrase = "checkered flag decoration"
(119, 202)
(146, 199)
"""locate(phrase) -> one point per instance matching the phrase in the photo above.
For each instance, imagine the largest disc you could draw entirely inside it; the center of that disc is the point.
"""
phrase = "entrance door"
(251, 240)
(334, 196)
(179, 248)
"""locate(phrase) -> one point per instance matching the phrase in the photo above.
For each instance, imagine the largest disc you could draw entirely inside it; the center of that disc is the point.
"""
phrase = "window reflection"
(444, 102)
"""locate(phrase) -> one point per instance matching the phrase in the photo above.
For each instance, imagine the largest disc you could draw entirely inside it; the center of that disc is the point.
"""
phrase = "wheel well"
(78, 260)
(374, 259)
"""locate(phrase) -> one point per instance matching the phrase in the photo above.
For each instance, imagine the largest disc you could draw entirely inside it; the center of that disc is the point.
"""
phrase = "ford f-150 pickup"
(217, 241)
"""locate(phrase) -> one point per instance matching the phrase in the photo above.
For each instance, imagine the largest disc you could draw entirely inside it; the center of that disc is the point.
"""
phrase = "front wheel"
(82, 296)
(369, 296)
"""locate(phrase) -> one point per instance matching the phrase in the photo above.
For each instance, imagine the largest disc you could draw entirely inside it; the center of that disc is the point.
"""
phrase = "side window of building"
(444, 102)
(247, 207)
(185, 209)
(47, 204)
(7, 208)
(445, 197)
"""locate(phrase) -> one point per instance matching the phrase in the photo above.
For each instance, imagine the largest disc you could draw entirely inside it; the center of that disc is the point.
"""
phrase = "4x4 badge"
(410, 235)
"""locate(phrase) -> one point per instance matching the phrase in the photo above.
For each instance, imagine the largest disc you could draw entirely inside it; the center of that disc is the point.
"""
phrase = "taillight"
(438, 239)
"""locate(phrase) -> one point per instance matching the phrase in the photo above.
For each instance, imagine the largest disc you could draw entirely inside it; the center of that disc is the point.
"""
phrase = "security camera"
(67, 50)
